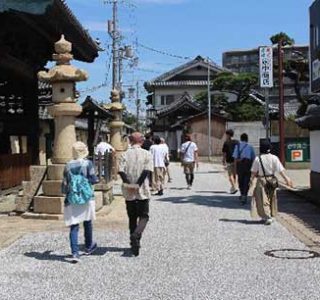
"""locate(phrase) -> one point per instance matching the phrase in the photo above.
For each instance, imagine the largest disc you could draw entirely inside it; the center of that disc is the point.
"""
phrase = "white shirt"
(271, 164)
(159, 152)
(165, 146)
(133, 162)
(188, 151)
(103, 147)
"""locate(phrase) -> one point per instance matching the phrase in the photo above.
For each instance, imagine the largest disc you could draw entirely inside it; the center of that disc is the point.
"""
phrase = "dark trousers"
(138, 213)
(244, 175)
(190, 178)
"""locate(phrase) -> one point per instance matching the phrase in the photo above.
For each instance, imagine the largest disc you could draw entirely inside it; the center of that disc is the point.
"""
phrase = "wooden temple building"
(186, 116)
(28, 31)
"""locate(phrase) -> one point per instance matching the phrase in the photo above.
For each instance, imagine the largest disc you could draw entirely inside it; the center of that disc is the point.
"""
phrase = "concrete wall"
(255, 131)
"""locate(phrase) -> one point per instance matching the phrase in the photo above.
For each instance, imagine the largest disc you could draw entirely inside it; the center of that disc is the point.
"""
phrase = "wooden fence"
(105, 166)
(14, 168)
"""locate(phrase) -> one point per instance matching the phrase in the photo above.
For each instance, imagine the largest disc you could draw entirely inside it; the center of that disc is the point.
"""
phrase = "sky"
(183, 28)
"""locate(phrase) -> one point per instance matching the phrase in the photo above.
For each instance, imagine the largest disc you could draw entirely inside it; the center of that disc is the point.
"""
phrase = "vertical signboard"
(266, 66)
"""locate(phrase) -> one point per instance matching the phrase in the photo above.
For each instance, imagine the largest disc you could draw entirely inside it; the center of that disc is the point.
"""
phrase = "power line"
(163, 52)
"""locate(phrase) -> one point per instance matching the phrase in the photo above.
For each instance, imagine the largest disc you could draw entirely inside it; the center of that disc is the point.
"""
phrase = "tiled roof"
(181, 83)
(199, 60)
(54, 17)
(184, 101)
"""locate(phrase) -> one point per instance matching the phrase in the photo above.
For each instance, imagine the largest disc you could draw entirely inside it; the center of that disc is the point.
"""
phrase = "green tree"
(282, 36)
(129, 118)
(244, 108)
(296, 68)
(240, 84)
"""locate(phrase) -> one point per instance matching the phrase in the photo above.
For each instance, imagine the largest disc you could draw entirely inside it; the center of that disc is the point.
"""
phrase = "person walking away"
(243, 155)
(134, 168)
(228, 160)
(103, 147)
(147, 143)
(189, 158)
(264, 168)
(159, 154)
(167, 159)
(78, 178)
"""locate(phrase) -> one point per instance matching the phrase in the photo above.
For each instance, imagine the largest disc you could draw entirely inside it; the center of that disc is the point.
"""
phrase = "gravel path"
(199, 244)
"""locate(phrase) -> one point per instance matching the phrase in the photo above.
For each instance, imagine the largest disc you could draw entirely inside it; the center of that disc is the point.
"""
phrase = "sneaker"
(92, 249)
(269, 221)
(75, 258)
(233, 190)
(160, 193)
(243, 200)
(170, 180)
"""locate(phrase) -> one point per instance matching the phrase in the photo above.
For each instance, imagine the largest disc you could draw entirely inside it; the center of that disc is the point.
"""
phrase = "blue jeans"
(74, 230)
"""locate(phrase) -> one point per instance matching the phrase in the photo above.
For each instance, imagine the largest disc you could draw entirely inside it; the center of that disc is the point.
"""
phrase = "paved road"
(199, 244)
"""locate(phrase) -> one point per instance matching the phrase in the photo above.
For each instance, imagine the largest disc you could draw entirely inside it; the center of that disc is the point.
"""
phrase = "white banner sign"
(266, 67)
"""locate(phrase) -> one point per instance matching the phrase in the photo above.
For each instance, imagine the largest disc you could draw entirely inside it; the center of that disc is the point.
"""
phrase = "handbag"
(271, 182)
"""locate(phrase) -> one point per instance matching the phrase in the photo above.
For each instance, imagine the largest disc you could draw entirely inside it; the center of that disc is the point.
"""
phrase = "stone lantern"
(116, 125)
(62, 77)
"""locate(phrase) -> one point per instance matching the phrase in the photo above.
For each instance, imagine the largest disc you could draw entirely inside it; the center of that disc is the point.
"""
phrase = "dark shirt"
(228, 148)
(146, 145)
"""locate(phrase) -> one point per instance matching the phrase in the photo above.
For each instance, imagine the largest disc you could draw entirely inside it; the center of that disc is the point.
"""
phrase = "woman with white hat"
(78, 177)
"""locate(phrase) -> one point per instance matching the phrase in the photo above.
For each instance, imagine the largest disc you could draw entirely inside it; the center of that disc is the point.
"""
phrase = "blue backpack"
(80, 190)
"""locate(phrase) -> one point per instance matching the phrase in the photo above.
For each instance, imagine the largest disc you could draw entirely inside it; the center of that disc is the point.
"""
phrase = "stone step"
(30, 188)
(52, 188)
(55, 172)
(48, 205)
(54, 205)
(37, 172)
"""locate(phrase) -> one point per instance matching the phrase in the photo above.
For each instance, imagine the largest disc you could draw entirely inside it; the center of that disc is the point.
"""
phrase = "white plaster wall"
(177, 92)
(315, 150)
(255, 131)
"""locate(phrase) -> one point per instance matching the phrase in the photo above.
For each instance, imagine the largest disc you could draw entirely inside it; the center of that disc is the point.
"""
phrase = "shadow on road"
(209, 172)
(126, 252)
(246, 222)
(213, 192)
(101, 251)
(229, 201)
(48, 255)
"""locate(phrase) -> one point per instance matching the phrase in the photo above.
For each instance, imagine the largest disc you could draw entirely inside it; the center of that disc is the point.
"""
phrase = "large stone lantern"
(62, 77)
(116, 125)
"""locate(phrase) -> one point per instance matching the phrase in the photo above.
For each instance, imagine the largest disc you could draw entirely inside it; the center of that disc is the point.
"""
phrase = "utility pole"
(113, 31)
(281, 102)
(267, 119)
(138, 104)
(209, 112)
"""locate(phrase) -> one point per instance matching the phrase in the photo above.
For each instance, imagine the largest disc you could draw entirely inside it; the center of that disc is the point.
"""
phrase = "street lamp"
(281, 101)
(209, 110)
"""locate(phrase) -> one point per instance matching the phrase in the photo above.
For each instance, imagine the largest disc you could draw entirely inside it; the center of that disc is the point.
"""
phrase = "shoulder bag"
(184, 153)
(271, 182)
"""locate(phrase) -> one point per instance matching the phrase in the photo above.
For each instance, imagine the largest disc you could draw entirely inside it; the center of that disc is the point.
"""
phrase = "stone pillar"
(116, 125)
(62, 77)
